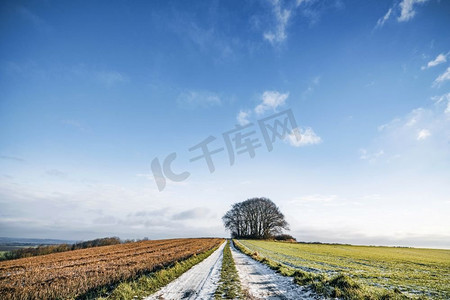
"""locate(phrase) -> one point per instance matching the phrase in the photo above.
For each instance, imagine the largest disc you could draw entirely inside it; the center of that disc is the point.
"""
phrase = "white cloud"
(383, 20)
(402, 139)
(413, 119)
(442, 99)
(440, 59)
(299, 2)
(282, 16)
(407, 9)
(242, 117)
(100, 209)
(441, 78)
(302, 137)
(423, 134)
(439, 99)
(198, 99)
(271, 100)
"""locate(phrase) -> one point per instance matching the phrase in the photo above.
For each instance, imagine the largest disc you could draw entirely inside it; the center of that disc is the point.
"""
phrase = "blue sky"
(92, 92)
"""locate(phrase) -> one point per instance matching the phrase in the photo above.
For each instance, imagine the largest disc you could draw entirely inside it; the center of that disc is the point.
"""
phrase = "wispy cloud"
(271, 100)
(423, 134)
(92, 210)
(442, 78)
(407, 10)
(282, 16)
(418, 138)
(242, 117)
(300, 137)
(198, 98)
(383, 19)
(441, 98)
(283, 13)
(440, 59)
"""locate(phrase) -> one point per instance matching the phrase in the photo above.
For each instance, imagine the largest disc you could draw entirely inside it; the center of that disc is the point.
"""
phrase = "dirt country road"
(257, 280)
(200, 282)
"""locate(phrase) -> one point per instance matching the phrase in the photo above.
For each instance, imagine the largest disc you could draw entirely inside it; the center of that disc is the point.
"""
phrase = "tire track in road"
(258, 281)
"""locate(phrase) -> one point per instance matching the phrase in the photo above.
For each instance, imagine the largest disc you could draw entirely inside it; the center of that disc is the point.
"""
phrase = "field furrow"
(74, 273)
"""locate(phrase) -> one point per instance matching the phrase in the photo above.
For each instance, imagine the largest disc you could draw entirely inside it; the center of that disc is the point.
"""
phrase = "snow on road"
(199, 282)
(258, 281)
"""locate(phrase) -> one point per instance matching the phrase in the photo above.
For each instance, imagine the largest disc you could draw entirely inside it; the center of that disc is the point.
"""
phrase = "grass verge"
(229, 284)
(150, 283)
(340, 285)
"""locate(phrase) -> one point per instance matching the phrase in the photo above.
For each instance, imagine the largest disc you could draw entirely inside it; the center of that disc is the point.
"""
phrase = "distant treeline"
(48, 249)
(322, 243)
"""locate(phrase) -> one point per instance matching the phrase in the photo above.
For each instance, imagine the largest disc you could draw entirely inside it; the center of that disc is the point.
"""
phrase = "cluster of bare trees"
(256, 218)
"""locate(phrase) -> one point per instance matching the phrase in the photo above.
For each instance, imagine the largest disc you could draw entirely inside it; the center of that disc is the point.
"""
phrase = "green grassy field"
(413, 271)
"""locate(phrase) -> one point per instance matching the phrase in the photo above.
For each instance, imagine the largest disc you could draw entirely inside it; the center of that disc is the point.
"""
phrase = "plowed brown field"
(71, 274)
